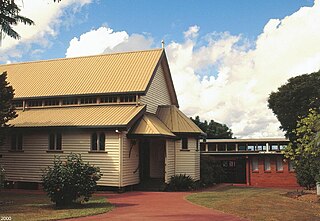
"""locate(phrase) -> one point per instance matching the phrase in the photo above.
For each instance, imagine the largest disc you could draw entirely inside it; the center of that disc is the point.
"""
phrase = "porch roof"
(151, 126)
(85, 116)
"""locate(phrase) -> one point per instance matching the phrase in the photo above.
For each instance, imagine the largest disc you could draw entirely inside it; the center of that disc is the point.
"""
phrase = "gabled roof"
(108, 116)
(121, 73)
(177, 121)
(150, 126)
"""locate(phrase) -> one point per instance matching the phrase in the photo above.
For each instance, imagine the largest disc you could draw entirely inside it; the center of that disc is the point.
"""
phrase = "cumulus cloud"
(105, 40)
(229, 81)
(47, 17)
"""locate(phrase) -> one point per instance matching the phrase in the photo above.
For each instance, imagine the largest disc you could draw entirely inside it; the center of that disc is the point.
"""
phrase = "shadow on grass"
(74, 206)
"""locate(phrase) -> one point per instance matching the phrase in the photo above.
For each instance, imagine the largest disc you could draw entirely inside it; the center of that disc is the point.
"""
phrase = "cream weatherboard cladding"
(170, 160)
(27, 166)
(130, 161)
(158, 93)
(188, 161)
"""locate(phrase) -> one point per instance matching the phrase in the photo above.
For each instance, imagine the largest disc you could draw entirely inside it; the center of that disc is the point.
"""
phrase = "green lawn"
(258, 204)
(20, 206)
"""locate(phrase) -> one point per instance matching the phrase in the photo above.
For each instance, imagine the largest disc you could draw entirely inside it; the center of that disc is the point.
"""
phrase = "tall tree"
(294, 99)
(7, 109)
(10, 16)
(305, 150)
(213, 129)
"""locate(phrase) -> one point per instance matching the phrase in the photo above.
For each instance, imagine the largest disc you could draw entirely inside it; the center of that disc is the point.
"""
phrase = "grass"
(258, 204)
(21, 206)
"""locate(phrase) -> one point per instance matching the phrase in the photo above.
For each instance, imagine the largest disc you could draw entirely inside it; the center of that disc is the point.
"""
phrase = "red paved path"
(157, 206)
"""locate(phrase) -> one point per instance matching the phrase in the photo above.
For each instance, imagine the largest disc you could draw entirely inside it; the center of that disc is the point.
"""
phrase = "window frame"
(279, 164)
(16, 144)
(98, 141)
(55, 142)
(267, 164)
(184, 143)
(255, 165)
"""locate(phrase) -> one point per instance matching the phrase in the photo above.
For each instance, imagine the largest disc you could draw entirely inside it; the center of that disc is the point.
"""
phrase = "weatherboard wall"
(129, 161)
(158, 93)
(27, 166)
(170, 160)
(188, 161)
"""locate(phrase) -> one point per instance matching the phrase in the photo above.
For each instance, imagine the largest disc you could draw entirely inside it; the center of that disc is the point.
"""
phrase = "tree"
(9, 16)
(214, 129)
(305, 150)
(7, 109)
(70, 180)
(294, 99)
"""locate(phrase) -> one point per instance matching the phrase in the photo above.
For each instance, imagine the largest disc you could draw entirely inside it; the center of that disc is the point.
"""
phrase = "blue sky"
(169, 19)
(225, 56)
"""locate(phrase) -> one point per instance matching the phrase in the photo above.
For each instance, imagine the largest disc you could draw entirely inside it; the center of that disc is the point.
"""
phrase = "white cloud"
(47, 17)
(237, 92)
(105, 40)
(192, 32)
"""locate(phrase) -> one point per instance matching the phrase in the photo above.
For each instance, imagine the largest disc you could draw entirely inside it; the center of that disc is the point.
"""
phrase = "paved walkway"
(149, 206)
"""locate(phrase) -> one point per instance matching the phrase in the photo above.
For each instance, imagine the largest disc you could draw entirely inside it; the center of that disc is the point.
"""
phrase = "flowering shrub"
(70, 180)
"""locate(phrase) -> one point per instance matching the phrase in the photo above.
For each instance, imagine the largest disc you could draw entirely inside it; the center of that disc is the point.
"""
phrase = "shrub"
(211, 171)
(2, 177)
(65, 182)
(181, 182)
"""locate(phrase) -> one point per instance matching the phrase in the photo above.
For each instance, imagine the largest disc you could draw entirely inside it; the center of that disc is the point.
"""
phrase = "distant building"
(119, 111)
(255, 162)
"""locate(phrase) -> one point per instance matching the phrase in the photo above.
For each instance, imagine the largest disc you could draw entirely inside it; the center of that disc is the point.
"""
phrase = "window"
(212, 147)
(282, 146)
(267, 166)
(129, 98)
(88, 100)
(185, 143)
(255, 165)
(52, 102)
(251, 147)
(291, 166)
(55, 141)
(16, 142)
(279, 164)
(274, 147)
(221, 147)
(231, 146)
(34, 103)
(18, 103)
(242, 147)
(70, 101)
(108, 99)
(261, 147)
(98, 141)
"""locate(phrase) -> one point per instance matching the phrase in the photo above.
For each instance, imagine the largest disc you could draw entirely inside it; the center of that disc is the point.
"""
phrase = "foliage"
(181, 182)
(213, 129)
(67, 181)
(305, 149)
(211, 171)
(294, 99)
(2, 177)
(9, 16)
(7, 109)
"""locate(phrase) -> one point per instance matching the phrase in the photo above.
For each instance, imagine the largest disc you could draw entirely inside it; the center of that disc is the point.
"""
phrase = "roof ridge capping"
(85, 56)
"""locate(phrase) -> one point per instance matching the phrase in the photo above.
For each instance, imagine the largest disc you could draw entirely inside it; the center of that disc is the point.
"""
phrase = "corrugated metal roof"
(84, 116)
(109, 73)
(177, 121)
(150, 125)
